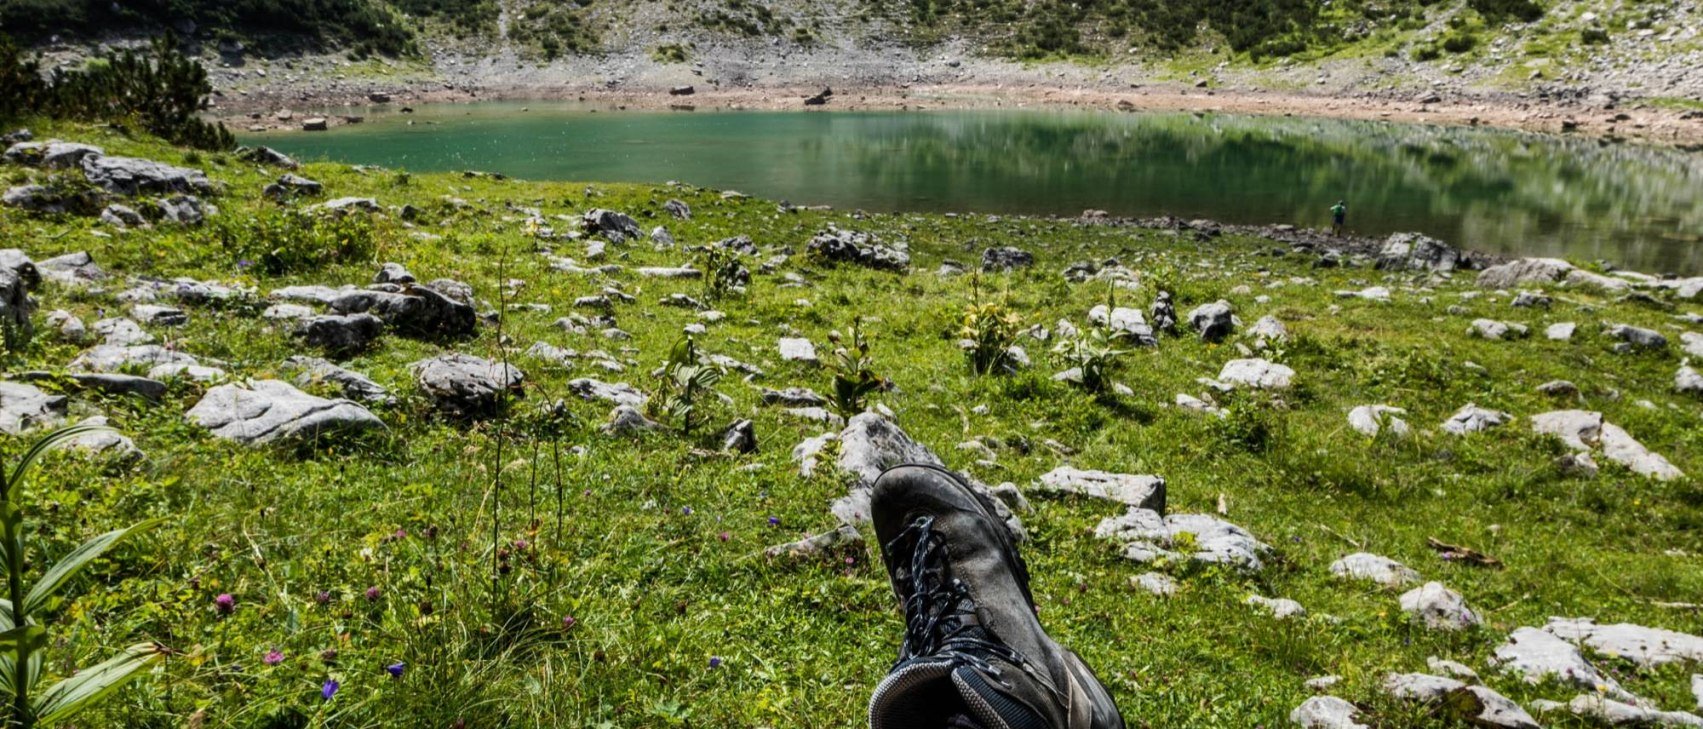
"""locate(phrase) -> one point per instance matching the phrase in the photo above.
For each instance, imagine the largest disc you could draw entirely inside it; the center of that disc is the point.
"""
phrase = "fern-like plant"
(23, 635)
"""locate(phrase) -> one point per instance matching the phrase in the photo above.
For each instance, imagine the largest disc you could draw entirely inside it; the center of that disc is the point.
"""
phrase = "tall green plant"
(987, 333)
(854, 372)
(681, 383)
(23, 635)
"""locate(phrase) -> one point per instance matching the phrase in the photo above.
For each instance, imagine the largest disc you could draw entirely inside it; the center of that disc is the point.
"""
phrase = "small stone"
(794, 349)
(1325, 712)
(1257, 373)
(1154, 583)
(1473, 419)
(1370, 420)
(1280, 608)
(1375, 568)
(1439, 607)
(1452, 669)
(626, 420)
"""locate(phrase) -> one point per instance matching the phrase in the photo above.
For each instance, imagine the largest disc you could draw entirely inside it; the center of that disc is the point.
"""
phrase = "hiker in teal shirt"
(1338, 214)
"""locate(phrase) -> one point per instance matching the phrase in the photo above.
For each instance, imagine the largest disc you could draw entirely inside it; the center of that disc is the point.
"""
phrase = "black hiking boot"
(974, 655)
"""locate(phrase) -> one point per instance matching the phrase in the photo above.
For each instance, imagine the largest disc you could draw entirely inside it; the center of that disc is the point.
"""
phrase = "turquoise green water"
(1637, 207)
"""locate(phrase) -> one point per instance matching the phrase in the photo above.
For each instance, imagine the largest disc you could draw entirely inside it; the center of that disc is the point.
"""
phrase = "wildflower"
(687, 510)
(373, 592)
(330, 688)
(273, 657)
(225, 604)
(520, 545)
(395, 669)
(774, 521)
(323, 597)
(568, 622)
(715, 662)
(244, 263)
(724, 536)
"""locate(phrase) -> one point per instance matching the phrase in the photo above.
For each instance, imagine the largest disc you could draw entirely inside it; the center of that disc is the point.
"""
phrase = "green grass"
(656, 592)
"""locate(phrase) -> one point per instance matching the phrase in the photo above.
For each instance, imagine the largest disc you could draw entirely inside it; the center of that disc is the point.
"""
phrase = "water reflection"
(1487, 190)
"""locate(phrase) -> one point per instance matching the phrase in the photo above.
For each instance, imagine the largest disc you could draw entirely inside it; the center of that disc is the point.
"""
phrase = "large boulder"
(1213, 321)
(24, 406)
(269, 411)
(1636, 644)
(1475, 705)
(467, 386)
(1584, 431)
(52, 154)
(1525, 272)
(617, 227)
(870, 444)
(1006, 258)
(1414, 251)
(863, 249)
(72, 269)
(1147, 492)
(1540, 657)
(1146, 536)
(340, 335)
(413, 310)
(1637, 337)
(133, 176)
(18, 277)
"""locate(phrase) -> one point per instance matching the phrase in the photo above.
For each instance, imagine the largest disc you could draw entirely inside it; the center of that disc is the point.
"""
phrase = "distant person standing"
(1338, 216)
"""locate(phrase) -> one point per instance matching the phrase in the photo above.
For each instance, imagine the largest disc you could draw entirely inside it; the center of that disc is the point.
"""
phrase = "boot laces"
(940, 613)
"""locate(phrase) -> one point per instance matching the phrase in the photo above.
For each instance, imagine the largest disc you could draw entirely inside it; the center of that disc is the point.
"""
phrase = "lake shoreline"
(259, 111)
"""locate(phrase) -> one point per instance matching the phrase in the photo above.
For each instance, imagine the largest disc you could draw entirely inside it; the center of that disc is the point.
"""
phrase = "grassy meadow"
(529, 570)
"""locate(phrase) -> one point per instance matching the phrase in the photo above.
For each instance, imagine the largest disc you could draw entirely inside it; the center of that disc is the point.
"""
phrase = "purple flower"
(273, 657)
(225, 604)
(395, 669)
(774, 521)
(330, 688)
(724, 536)
(687, 510)
(715, 661)
(373, 592)
(245, 263)
(323, 597)
(568, 622)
